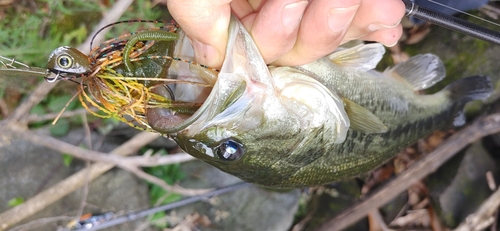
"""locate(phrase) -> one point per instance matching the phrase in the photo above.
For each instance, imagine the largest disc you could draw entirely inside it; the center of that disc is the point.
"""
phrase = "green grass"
(158, 196)
(29, 33)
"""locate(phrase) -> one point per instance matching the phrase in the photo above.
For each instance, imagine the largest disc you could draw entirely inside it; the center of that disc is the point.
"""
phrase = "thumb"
(205, 22)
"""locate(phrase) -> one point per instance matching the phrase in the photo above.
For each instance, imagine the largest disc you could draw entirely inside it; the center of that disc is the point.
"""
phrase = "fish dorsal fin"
(420, 71)
(363, 120)
(363, 57)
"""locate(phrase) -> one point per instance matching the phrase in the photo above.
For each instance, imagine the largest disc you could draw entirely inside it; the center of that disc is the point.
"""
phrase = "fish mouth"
(171, 121)
(242, 69)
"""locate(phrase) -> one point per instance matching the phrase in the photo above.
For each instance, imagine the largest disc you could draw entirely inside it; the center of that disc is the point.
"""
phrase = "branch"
(128, 163)
(483, 126)
(151, 161)
(96, 156)
(32, 118)
(111, 16)
(70, 184)
(483, 217)
(155, 180)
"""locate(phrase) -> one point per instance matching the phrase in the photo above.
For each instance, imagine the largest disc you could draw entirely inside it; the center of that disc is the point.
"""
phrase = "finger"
(322, 28)
(242, 8)
(275, 26)
(205, 23)
(388, 37)
(375, 15)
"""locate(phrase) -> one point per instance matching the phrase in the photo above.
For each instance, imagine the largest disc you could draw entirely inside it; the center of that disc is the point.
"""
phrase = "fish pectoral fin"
(420, 71)
(363, 57)
(363, 120)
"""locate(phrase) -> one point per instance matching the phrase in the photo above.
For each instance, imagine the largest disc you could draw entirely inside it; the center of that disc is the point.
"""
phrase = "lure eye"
(65, 61)
(230, 150)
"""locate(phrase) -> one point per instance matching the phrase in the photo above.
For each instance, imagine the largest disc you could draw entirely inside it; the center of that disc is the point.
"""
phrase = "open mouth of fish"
(226, 86)
(243, 82)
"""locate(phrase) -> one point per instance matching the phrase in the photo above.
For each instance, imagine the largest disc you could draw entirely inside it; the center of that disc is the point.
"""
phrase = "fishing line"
(452, 23)
(463, 12)
(11, 62)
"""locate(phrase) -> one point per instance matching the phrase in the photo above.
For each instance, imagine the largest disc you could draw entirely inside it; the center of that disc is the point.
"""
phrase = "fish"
(329, 120)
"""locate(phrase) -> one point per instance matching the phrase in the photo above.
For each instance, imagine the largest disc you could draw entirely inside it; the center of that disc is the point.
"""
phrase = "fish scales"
(322, 122)
(362, 152)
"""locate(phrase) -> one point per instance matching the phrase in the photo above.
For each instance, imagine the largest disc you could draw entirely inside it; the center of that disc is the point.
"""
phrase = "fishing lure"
(121, 75)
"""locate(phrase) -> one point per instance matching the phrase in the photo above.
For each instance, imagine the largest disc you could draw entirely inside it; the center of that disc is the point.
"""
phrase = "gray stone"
(459, 187)
(249, 208)
(26, 169)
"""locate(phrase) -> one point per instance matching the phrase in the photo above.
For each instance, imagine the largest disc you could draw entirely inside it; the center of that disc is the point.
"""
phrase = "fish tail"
(468, 89)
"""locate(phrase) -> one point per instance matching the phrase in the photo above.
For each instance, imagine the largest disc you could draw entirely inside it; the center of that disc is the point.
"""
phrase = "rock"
(459, 187)
(249, 208)
(26, 169)
(324, 203)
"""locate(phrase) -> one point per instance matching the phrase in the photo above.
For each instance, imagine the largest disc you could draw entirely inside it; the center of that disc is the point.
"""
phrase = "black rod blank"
(452, 23)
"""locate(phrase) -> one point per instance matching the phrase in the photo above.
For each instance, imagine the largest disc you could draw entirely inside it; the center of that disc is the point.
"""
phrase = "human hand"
(287, 32)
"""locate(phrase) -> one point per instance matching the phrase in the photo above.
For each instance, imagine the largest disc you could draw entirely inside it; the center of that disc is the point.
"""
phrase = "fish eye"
(230, 150)
(65, 61)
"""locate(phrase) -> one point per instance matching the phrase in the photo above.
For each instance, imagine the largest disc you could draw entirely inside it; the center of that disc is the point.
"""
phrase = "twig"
(156, 160)
(88, 143)
(38, 95)
(32, 118)
(96, 156)
(86, 129)
(483, 126)
(70, 184)
(40, 222)
(90, 155)
(85, 195)
(484, 216)
(163, 184)
(377, 221)
(111, 16)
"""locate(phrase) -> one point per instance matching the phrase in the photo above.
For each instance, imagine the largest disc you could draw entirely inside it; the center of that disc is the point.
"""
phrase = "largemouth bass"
(332, 119)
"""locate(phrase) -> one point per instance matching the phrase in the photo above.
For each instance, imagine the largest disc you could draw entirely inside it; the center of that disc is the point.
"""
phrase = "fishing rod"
(136, 215)
(452, 23)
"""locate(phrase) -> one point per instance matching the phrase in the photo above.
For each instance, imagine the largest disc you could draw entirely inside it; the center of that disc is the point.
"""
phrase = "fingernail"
(380, 26)
(391, 45)
(292, 14)
(340, 18)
